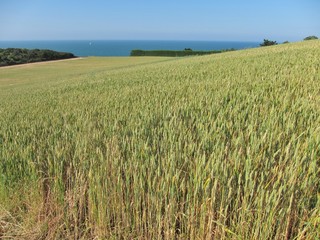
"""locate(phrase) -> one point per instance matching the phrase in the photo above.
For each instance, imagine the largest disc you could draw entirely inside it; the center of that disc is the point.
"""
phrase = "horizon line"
(91, 40)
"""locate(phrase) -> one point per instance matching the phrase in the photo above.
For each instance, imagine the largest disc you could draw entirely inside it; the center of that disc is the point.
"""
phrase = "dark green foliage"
(172, 53)
(285, 42)
(311, 38)
(13, 56)
(267, 42)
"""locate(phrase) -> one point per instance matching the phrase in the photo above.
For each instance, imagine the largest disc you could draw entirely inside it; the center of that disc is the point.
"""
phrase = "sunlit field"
(224, 146)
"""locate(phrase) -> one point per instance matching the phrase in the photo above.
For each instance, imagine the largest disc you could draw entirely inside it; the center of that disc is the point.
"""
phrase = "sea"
(84, 48)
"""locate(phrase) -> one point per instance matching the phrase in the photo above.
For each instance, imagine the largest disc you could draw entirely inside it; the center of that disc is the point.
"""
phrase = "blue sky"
(231, 20)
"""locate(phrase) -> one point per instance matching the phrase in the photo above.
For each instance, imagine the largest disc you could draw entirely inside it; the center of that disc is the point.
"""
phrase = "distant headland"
(14, 56)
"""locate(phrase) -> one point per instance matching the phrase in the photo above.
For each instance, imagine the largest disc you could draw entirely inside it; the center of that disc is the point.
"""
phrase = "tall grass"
(213, 147)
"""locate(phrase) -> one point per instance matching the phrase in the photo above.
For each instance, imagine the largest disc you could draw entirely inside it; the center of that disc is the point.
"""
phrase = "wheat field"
(224, 146)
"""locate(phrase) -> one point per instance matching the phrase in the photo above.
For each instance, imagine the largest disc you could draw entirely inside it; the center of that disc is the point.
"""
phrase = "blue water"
(122, 47)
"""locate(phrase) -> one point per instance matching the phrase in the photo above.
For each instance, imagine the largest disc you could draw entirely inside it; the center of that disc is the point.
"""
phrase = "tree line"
(174, 53)
(13, 56)
(190, 52)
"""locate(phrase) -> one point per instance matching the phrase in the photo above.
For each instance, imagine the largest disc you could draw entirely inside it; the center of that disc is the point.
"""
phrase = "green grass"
(214, 147)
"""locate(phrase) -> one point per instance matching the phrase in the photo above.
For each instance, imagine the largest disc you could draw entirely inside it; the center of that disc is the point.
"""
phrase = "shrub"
(310, 38)
(267, 42)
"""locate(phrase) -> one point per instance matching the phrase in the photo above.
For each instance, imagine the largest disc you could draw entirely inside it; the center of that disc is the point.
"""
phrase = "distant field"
(222, 146)
(70, 70)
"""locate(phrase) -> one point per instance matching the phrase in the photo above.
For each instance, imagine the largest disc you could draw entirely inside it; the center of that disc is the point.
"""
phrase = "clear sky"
(232, 20)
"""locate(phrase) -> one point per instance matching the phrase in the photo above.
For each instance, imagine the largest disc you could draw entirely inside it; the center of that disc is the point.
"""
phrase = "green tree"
(310, 38)
(267, 42)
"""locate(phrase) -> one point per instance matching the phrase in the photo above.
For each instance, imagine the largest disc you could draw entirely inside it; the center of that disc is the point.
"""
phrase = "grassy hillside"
(223, 146)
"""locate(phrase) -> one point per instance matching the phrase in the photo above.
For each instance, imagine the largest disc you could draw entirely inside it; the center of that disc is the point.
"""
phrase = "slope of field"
(214, 147)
